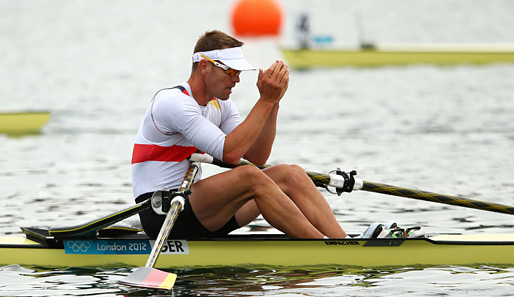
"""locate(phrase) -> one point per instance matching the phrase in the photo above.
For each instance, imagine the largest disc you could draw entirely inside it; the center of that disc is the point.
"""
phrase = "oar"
(149, 277)
(94, 226)
(338, 181)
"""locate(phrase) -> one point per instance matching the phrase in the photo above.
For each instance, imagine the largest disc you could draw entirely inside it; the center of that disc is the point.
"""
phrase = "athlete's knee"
(252, 175)
(290, 173)
(296, 170)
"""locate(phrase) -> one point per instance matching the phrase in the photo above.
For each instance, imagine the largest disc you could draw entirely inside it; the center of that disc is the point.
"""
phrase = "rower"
(199, 115)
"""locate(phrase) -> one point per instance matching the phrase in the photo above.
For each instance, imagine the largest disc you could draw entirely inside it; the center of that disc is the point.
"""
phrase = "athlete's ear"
(203, 66)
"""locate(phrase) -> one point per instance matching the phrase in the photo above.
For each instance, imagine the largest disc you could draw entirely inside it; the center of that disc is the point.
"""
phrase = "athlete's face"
(220, 82)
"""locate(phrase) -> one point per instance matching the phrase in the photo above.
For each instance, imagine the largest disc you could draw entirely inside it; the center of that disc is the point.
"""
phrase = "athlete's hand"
(273, 82)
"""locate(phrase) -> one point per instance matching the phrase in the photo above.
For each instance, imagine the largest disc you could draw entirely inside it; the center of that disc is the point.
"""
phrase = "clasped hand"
(273, 82)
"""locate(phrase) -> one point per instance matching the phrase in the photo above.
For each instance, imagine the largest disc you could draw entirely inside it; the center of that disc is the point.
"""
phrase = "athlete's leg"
(217, 198)
(297, 185)
(246, 214)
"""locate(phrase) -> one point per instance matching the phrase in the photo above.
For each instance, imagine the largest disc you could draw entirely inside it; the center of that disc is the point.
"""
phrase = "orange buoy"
(256, 17)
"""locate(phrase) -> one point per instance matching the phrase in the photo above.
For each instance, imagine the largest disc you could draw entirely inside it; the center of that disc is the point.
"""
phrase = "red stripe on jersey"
(152, 152)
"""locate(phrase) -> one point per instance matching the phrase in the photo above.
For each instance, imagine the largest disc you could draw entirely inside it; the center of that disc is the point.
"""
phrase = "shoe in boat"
(372, 231)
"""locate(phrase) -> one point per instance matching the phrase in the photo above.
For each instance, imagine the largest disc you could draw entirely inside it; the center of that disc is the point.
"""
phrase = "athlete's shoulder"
(174, 96)
(171, 92)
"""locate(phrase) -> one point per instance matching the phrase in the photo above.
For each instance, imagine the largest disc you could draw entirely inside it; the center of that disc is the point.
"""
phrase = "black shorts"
(186, 226)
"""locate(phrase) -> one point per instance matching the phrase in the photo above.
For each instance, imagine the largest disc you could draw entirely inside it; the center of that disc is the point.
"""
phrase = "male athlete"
(198, 115)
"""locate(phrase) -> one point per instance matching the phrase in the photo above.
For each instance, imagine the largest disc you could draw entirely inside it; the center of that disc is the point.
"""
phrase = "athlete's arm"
(260, 151)
(257, 131)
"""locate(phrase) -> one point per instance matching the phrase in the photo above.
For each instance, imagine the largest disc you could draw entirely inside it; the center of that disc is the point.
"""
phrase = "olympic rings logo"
(78, 245)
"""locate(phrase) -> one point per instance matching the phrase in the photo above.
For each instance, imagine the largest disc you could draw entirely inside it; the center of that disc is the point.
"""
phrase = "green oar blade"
(151, 278)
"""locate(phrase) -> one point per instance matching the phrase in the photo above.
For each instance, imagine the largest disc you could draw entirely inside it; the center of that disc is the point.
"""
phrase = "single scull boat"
(37, 248)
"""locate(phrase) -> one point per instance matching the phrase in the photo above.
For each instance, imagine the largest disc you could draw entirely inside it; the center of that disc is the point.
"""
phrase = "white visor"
(232, 57)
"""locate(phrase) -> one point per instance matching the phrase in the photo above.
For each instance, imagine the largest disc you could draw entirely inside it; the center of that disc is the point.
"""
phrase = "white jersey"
(173, 128)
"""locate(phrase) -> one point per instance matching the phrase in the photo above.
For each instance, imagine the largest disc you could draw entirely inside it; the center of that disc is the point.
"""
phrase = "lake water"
(95, 65)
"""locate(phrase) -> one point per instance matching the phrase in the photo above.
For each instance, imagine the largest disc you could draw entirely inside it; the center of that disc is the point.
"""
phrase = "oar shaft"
(331, 180)
(169, 222)
(435, 197)
(172, 215)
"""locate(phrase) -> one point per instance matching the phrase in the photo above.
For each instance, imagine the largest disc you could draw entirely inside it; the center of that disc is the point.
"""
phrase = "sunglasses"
(228, 70)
